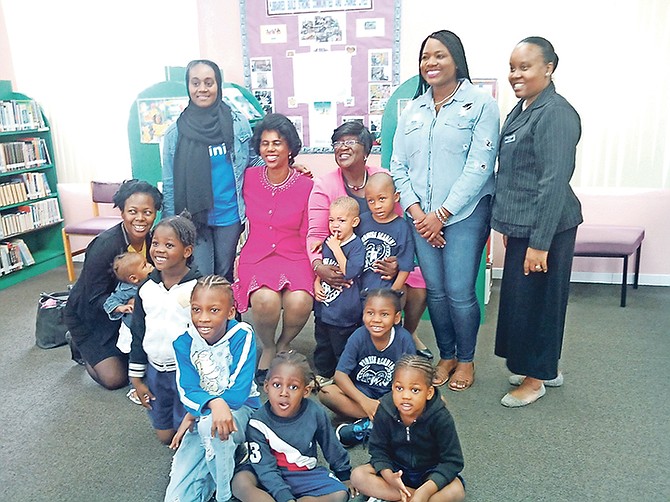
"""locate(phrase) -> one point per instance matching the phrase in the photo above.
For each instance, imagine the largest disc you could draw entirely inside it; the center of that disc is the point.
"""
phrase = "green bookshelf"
(44, 242)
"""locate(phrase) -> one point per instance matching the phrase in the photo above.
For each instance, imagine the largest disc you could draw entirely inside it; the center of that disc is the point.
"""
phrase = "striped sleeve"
(192, 396)
(556, 136)
(243, 350)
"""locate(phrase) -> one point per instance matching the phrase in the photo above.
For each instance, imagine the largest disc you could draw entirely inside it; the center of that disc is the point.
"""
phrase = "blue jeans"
(215, 249)
(204, 464)
(451, 274)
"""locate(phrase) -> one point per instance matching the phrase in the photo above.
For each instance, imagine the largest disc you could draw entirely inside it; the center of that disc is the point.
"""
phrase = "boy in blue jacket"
(216, 360)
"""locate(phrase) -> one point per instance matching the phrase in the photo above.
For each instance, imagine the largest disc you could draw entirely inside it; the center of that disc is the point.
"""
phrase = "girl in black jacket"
(415, 454)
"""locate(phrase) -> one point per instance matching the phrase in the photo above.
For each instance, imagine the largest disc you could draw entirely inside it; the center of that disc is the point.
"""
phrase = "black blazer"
(536, 160)
(96, 282)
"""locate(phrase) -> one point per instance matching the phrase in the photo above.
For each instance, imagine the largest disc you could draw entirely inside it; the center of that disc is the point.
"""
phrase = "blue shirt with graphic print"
(225, 211)
(342, 307)
(382, 240)
(371, 369)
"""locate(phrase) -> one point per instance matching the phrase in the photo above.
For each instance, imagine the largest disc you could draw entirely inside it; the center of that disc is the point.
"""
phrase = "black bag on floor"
(49, 325)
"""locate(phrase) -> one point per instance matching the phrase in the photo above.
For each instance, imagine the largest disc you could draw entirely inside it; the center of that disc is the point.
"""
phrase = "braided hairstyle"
(388, 293)
(298, 361)
(418, 363)
(214, 281)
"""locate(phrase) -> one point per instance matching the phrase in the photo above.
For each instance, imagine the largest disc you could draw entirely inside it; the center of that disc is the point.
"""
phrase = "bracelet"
(316, 265)
(441, 214)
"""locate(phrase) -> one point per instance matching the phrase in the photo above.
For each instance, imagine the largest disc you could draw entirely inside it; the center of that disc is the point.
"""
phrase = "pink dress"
(274, 254)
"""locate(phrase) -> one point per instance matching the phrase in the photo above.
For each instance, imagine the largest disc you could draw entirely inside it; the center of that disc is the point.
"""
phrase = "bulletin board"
(322, 62)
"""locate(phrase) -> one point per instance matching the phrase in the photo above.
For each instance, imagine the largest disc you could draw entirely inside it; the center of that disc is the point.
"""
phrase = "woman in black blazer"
(93, 333)
(537, 212)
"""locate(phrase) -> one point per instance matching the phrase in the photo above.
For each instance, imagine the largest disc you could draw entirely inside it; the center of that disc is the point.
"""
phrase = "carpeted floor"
(603, 436)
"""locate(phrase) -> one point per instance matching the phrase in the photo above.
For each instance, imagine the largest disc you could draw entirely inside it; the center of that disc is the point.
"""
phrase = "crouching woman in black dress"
(93, 333)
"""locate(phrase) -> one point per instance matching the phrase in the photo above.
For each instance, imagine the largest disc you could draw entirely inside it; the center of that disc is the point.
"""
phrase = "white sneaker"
(323, 381)
(554, 382)
(132, 395)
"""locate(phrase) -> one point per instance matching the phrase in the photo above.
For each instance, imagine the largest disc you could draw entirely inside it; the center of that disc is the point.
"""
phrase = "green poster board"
(168, 98)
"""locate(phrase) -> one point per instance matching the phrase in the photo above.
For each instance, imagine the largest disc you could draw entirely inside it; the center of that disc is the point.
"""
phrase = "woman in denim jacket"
(204, 156)
(444, 153)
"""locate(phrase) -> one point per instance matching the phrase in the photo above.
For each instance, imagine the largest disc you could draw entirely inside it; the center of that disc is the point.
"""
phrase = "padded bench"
(612, 241)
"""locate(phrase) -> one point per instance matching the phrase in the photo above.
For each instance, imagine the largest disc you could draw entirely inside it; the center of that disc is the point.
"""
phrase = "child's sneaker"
(132, 395)
(323, 381)
(354, 433)
(241, 454)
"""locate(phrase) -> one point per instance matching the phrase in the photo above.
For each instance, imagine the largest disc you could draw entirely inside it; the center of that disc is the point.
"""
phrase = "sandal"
(132, 395)
(459, 384)
(443, 373)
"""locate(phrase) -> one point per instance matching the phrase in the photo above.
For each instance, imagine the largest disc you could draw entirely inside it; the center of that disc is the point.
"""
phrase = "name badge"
(509, 139)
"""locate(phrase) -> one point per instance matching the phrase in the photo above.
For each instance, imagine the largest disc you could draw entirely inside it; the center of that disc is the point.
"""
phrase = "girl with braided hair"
(414, 449)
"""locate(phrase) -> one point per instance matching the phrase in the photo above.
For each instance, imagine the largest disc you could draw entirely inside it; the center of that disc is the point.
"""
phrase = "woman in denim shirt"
(205, 154)
(444, 153)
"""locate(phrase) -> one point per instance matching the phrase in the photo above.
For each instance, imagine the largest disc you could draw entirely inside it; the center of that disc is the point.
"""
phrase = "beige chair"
(101, 193)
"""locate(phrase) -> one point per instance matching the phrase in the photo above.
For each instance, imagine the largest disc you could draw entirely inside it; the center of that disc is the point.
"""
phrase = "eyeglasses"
(348, 143)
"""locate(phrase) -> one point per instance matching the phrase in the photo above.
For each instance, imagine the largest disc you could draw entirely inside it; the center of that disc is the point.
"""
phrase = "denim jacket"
(447, 159)
(241, 158)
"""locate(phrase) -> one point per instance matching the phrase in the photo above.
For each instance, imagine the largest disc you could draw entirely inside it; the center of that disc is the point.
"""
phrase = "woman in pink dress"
(274, 272)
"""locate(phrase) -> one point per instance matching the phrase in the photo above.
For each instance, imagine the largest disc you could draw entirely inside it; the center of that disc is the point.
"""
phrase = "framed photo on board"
(156, 115)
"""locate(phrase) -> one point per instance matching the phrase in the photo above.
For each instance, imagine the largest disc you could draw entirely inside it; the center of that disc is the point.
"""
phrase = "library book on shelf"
(14, 255)
(24, 154)
(30, 217)
(20, 115)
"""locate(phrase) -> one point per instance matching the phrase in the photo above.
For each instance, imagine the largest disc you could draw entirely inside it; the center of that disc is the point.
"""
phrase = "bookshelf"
(30, 214)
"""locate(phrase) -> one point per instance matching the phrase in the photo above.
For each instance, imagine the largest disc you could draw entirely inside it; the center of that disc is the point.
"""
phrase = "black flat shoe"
(74, 351)
(424, 353)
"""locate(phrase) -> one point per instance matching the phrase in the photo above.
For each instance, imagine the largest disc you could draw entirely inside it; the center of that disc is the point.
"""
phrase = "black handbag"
(50, 327)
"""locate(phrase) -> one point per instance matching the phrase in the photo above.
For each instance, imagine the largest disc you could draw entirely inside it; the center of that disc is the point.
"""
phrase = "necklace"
(440, 102)
(357, 188)
(267, 177)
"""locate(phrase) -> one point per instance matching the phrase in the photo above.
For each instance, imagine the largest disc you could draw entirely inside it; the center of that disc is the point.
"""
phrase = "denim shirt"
(447, 159)
(242, 157)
